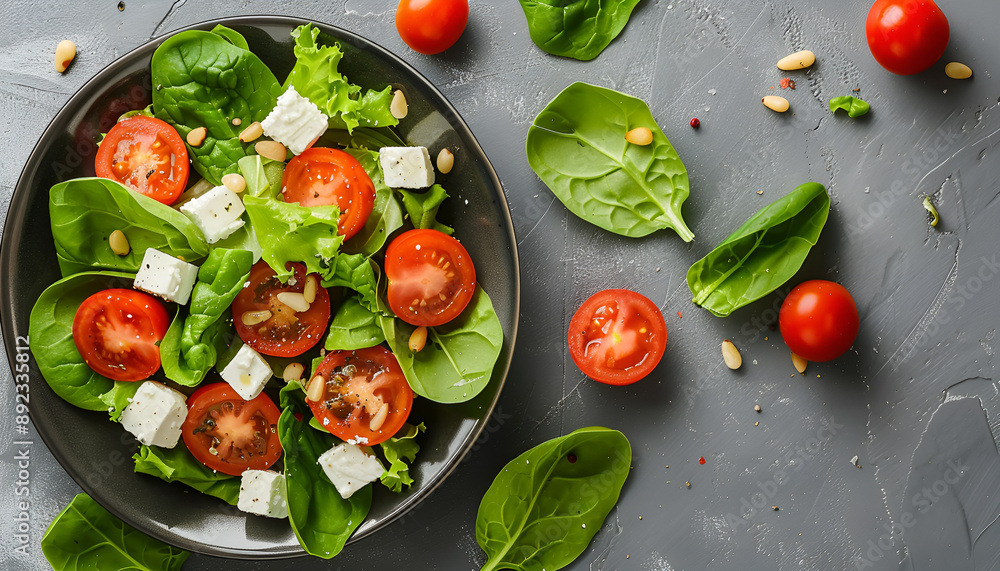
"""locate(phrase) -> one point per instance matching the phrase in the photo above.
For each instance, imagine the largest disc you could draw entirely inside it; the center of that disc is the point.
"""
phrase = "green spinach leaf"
(207, 79)
(359, 273)
(422, 208)
(354, 326)
(291, 233)
(457, 362)
(119, 397)
(577, 146)
(386, 216)
(315, 77)
(854, 106)
(263, 176)
(321, 519)
(87, 536)
(190, 348)
(178, 465)
(401, 450)
(50, 329)
(578, 29)
(96, 207)
(762, 254)
(546, 505)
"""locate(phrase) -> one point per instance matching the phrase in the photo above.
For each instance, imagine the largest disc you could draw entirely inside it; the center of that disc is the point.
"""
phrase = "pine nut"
(294, 300)
(309, 290)
(293, 372)
(252, 132)
(731, 355)
(800, 363)
(271, 150)
(196, 137)
(317, 386)
(956, 70)
(235, 182)
(399, 107)
(379, 419)
(119, 243)
(65, 54)
(418, 339)
(639, 136)
(250, 318)
(775, 103)
(445, 161)
(798, 60)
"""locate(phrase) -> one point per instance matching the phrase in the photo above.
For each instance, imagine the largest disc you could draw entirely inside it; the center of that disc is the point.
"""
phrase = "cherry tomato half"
(229, 434)
(321, 176)
(146, 155)
(365, 397)
(819, 320)
(431, 277)
(118, 331)
(431, 26)
(617, 336)
(906, 36)
(269, 325)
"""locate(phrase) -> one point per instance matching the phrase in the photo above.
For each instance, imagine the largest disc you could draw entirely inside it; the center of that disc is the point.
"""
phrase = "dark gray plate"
(96, 452)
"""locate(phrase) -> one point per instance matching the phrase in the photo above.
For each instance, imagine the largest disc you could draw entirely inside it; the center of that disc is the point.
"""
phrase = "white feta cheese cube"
(166, 276)
(217, 213)
(295, 121)
(262, 492)
(155, 415)
(349, 468)
(247, 373)
(406, 167)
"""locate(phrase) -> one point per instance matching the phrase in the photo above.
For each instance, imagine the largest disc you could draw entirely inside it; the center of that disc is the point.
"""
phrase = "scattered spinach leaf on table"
(854, 106)
(577, 146)
(579, 29)
(762, 254)
(546, 505)
(87, 536)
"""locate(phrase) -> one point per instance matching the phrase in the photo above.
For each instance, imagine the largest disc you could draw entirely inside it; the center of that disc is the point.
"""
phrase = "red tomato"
(229, 434)
(321, 176)
(270, 326)
(118, 331)
(818, 320)
(617, 336)
(431, 26)
(365, 395)
(431, 277)
(146, 155)
(906, 36)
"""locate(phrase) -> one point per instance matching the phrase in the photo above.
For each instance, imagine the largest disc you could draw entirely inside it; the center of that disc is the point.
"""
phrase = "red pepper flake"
(679, 314)
(701, 460)
(787, 83)
(695, 123)
(571, 458)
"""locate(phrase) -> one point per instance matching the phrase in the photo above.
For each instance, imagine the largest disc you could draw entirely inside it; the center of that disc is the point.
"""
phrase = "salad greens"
(854, 106)
(577, 146)
(321, 519)
(192, 343)
(578, 29)
(761, 254)
(353, 327)
(204, 79)
(178, 465)
(457, 362)
(86, 536)
(546, 505)
(96, 207)
(288, 232)
(386, 216)
(422, 208)
(400, 451)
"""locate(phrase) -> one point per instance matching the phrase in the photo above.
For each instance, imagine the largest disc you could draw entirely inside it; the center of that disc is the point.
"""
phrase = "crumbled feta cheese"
(262, 492)
(217, 213)
(295, 121)
(166, 276)
(155, 415)
(349, 468)
(406, 167)
(247, 373)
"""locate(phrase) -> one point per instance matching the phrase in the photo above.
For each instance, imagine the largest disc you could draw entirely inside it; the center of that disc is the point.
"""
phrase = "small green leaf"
(401, 450)
(931, 210)
(178, 465)
(854, 106)
(578, 29)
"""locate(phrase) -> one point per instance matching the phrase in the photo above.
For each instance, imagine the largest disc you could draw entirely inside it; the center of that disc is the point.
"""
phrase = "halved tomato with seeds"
(118, 332)
(362, 395)
(431, 277)
(229, 434)
(146, 155)
(281, 319)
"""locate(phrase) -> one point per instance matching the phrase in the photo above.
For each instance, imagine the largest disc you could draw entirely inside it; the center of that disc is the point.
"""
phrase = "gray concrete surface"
(916, 399)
